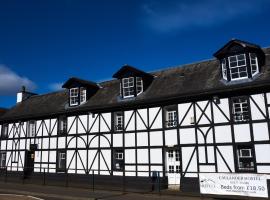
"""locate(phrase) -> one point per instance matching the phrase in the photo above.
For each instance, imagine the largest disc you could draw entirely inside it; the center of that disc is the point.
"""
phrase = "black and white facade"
(210, 116)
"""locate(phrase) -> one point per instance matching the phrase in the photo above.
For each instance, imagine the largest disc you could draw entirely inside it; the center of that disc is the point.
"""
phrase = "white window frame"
(119, 121)
(83, 93)
(61, 156)
(62, 124)
(241, 106)
(74, 96)
(139, 84)
(3, 159)
(224, 69)
(31, 128)
(256, 65)
(128, 87)
(243, 156)
(171, 118)
(238, 66)
(240, 163)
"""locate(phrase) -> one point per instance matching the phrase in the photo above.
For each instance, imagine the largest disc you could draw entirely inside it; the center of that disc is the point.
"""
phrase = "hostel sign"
(253, 185)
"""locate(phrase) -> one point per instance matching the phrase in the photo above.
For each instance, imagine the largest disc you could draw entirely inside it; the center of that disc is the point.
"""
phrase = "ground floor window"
(3, 157)
(61, 160)
(118, 159)
(245, 158)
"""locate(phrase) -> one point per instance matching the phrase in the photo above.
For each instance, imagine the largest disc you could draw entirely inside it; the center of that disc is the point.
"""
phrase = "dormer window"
(133, 81)
(128, 87)
(75, 93)
(74, 96)
(240, 60)
(80, 90)
(82, 95)
(254, 63)
(139, 85)
(238, 67)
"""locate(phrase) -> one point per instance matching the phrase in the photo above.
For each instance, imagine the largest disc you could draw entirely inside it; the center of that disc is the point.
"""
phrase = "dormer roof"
(236, 46)
(127, 71)
(76, 82)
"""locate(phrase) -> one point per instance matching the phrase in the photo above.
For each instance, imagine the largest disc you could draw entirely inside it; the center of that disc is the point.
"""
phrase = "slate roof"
(2, 111)
(180, 83)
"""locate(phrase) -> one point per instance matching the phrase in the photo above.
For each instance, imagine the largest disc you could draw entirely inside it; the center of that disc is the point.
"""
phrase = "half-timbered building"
(210, 116)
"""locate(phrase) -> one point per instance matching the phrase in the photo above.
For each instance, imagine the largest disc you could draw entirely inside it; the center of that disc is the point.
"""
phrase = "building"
(210, 116)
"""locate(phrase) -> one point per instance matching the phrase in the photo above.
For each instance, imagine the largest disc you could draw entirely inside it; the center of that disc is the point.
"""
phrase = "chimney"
(23, 95)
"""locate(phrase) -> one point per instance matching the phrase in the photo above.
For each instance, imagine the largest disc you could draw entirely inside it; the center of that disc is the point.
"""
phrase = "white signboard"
(253, 185)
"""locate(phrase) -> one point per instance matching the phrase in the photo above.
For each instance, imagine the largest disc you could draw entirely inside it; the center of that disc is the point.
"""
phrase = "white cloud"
(56, 86)
(166, 16)
(11, 83)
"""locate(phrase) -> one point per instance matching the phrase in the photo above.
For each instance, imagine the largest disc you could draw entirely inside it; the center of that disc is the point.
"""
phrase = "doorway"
(29, 161)
(173, 163)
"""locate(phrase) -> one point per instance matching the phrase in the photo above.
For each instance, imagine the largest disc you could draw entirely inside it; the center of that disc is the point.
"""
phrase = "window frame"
(59, 166)
(139, 84)
(250, 160)
(118, 161)
(171, 118)
(83, 95)
(244, 110)
(251, 64)
(224, 69)
(31, 128)
(119, 117)
(74, 94)
(62, 125)
(128, 86)
(238, 66)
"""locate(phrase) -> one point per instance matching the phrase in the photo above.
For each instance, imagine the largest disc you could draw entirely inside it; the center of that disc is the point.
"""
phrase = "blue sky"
(44, 42)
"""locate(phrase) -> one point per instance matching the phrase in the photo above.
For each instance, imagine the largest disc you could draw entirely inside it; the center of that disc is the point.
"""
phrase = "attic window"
(77, 96)
(74, 96)
(238, 67)
(130, 87)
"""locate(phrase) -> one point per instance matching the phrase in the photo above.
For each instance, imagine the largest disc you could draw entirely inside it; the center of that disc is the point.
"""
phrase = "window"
(82, 95)
(245, 158)
(128, 87)
(238, 67)
(74, 96)
(118, 159)
(171, 169)
(4, 131)
(31, 129)
(240, 109)
(178, 169)
(62, 125)
(171, 119)
(139, 85)
(224, 68)
(170, 153)
(119, 121)
(177, 155)
(254, 64)
(3, 157)
(61, 161)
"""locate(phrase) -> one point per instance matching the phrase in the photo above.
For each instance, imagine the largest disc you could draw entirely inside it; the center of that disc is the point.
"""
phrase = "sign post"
(252, 185)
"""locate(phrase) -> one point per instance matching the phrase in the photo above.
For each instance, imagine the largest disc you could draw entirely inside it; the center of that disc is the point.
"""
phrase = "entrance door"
(29, 161)
(173, 168)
